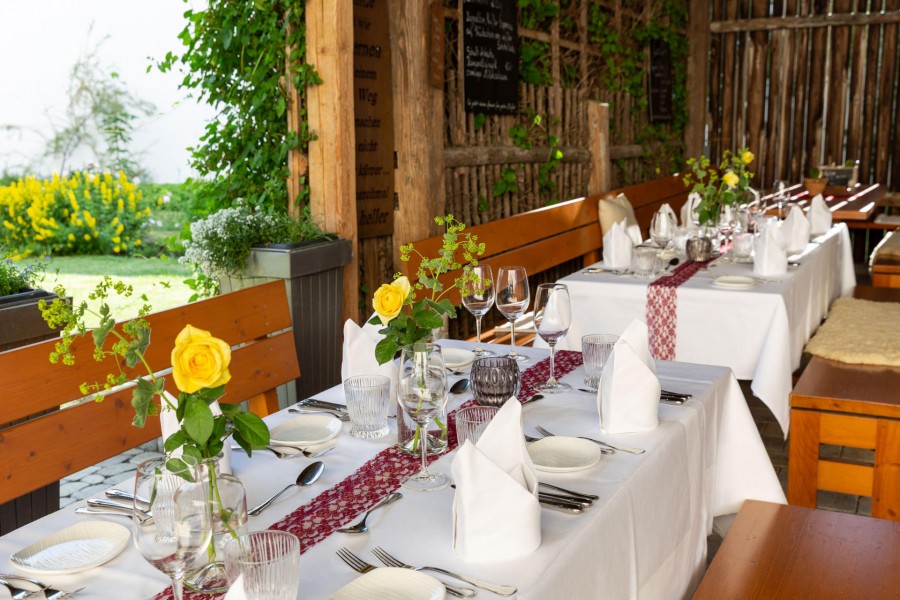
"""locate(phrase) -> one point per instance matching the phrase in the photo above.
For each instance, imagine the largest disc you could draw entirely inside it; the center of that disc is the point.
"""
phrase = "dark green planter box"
(313, 274)
(21, 324)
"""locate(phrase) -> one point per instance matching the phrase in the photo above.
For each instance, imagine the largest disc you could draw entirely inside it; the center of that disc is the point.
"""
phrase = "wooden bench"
(255, 321)
(551, 236)
(778, 552)
(885, 262)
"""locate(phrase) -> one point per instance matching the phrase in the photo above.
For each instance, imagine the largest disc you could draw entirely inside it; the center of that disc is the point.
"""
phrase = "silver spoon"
(461, 386)
(361, 527)
(306, 477)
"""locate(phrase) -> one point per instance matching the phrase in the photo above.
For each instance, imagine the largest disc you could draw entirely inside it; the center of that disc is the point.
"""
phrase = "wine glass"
(512, 300)
(479, 299)
(176, 537)
(781, 196)
(422, 391)
(552, 319)
(725, 222)
(662, 228)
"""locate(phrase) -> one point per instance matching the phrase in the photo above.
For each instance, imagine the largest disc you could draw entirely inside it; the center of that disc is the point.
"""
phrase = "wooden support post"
(418, 121)
(697, 76)
(598, 126)
(298, 164)
(332, 159)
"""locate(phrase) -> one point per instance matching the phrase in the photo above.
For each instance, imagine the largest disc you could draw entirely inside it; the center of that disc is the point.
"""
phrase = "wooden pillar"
(697, 76)
(418, 126)
(332, 160)
(298, 165)
(598, 126)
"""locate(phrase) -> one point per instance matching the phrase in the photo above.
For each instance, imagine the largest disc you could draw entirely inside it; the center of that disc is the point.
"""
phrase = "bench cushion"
(613, 210)
(860, 332)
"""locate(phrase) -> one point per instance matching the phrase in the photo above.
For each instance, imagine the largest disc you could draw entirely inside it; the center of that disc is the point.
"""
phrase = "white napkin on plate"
(496, 515)
(359, 354)
(770, 257)
(796, 231)
(689, 209)
(236, 590)
(617, 246)
(628, 398)
(819, 216)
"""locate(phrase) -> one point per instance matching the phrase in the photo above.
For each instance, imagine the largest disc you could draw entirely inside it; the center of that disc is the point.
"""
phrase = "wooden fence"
(804, 83)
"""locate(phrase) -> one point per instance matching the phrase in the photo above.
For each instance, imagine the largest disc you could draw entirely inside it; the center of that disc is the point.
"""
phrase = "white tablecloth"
(759, 333)
(645, 537)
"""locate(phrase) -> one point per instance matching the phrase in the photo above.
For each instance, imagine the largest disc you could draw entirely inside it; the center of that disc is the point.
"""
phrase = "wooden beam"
(332, 155)
(463, 156)
(814, 21)
(697, 76)
(598, 143)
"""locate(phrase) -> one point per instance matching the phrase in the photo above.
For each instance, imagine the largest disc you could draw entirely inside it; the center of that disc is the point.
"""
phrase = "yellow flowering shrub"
(83, 213)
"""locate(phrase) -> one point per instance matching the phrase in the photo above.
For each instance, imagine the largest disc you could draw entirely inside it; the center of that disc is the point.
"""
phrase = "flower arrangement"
(415, 324)
(722, 184)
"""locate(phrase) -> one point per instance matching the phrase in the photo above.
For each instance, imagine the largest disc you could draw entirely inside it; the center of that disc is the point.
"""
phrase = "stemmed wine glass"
(552, 318)
(177, 535)
(781, 196)
(725, 222)
(662, 228)
(512, 300)
(479, 299)
(422, 390)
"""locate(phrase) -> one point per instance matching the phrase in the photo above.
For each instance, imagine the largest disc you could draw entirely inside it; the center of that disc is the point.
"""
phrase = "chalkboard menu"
(490, 56)
(661, 82)
(373, 113)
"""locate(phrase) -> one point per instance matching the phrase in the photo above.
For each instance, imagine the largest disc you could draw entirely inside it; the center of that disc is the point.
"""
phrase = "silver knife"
(569, 507)
(583, 502)
(322, 404)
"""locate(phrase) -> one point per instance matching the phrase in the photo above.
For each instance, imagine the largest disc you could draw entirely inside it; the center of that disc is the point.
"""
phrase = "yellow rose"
(730, 179)
(389, 299)
(747, 157)
(199, 360)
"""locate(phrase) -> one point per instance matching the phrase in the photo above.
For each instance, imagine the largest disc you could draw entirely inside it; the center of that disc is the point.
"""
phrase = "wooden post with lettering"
(332, 155)
(598, 128)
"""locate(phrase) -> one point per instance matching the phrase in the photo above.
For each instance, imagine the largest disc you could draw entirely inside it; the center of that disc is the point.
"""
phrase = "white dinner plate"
(560, 453)
(76, 548)
(305, 430)
(392, 584)
(734, 282)
(457, 358)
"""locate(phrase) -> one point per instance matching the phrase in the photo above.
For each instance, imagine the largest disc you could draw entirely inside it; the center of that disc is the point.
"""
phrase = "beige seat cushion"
(614, 210)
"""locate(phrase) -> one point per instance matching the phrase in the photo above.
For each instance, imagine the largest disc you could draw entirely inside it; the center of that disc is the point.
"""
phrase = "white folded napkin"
(668, 209)
(496, 515)
(236, 590)
(689, 209)
(796, 231)
(634, 232)
(628, 397)
(617, 246)
(819, 216)
(770, 257)
(359, 354)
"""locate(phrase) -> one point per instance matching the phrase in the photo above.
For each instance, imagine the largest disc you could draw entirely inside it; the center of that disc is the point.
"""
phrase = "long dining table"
(644, 538)
(759, 333)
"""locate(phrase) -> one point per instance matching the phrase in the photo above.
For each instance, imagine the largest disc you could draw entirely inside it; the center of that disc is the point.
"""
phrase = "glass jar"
(414, 362)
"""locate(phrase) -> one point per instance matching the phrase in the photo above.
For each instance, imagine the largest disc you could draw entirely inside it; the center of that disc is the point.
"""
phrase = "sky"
(40, 41)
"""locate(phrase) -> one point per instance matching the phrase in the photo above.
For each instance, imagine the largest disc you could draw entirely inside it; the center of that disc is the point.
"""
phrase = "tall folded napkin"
(359, 354)
(796, 231)
(496, 515)
(628, 398)
(617, 246)
(819, 216)
(770, 257)
(689, 209)
(668, 209)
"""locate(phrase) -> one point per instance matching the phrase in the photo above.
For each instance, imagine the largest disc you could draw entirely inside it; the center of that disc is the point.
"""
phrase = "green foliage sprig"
(526, 137)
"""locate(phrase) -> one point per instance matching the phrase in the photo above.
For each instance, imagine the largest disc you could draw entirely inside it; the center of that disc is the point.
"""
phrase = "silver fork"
(18, 593)
(603, 449)
(390, 561)
(49, 592)
(302, 452)
(627, 449)
(361, 566)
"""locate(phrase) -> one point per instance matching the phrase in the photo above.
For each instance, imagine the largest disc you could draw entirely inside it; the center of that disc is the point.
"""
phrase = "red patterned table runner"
(662, 309)
(381, 475)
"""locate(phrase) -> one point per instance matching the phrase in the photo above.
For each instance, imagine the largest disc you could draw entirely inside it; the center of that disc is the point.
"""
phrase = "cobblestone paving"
(92, 481)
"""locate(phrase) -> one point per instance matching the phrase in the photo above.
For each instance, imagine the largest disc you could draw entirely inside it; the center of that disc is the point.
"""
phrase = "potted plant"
(815, 183)
(20, 319)
(241, 246)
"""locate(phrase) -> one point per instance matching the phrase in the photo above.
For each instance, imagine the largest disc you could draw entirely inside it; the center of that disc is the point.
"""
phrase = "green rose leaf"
(176, 440)
(252, 430)
(198, 420)
(229, 410)
(141, 400)
(176, 465)
(385, 350)
(431, 320)
(219, 426)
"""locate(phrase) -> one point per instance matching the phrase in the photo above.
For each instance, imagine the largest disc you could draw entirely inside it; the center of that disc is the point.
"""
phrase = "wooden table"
(774, 551)
(857, 205)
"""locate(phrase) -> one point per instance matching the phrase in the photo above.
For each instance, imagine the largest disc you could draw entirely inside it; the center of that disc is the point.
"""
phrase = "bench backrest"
(255, 321)
(550, 236)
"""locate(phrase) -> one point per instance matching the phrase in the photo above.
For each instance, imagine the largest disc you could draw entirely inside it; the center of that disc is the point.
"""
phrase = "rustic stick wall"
(806, 82)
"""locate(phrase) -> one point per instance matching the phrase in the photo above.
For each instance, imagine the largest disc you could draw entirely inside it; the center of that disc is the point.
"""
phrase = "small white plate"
(734, 282)
(392, 584)
(305, 430)
(76, 548)
(560, 453)
(457, 358)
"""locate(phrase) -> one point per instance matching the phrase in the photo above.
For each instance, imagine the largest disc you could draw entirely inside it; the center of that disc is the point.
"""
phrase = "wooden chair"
(255, 321)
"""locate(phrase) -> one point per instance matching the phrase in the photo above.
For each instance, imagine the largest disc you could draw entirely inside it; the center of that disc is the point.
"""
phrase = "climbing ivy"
(527, 136)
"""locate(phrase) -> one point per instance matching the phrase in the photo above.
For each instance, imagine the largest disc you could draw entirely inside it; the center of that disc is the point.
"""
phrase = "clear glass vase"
(414, 362)
(228, 506)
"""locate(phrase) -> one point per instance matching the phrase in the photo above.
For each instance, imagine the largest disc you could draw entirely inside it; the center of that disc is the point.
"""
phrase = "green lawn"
(158, 279)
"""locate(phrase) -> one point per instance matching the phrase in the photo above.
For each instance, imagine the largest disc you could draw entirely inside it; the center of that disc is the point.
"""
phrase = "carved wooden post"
(598, 126)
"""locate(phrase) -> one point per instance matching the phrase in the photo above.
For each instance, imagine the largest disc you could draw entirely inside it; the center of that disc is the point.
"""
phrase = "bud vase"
(414, 362)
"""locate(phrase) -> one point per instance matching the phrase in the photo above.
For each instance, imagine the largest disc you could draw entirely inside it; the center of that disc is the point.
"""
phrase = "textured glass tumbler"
(265, 563)
(472, 421)
(644, 261)
(596, 348)
(494, 379)
(368, 398)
